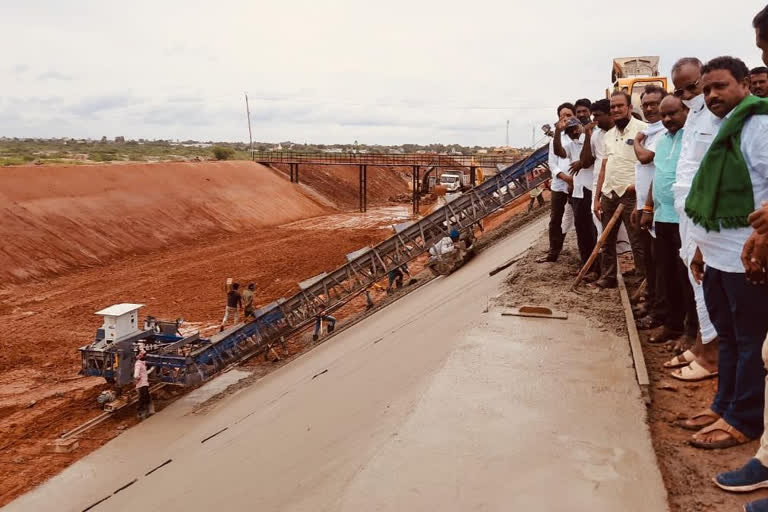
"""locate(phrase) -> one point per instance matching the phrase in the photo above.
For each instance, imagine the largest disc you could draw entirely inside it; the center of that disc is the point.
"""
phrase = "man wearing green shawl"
(731, 181)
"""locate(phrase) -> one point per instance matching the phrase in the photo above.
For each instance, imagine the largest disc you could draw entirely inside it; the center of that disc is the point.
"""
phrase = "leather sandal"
(735, 437)
(710, 415)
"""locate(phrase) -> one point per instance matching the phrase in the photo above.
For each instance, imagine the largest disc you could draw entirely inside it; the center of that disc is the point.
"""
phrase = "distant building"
(482, 151)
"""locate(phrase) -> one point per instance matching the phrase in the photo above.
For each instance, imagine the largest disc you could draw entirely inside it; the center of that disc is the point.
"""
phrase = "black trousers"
(144, 399)
(656, 286)
(586, 232)
(556, 235)
(610, 203)
(681, 304)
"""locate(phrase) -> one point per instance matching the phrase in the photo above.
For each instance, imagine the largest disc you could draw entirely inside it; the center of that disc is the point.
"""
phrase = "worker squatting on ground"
(234, 303)
(141, 379)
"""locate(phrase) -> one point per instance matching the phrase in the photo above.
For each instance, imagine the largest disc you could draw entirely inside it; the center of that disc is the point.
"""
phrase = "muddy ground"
(687, 471)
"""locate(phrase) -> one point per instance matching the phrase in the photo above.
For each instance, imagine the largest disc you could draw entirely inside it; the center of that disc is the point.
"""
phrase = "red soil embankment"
(63, 217)
(341, 183)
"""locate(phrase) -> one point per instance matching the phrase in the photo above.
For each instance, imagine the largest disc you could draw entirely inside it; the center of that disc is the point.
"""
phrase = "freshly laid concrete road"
(433, 404)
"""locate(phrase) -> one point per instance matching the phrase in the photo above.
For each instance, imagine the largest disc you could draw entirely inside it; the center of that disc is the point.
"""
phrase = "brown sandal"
(735, 437)
(711, 416)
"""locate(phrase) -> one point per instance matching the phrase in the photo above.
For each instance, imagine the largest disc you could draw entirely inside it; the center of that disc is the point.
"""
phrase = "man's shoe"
(648, 322)
(314, 337)
(757, 506)
(606, 283)
(549, 258)
(749, 478)
(331, 328)
(663, 334)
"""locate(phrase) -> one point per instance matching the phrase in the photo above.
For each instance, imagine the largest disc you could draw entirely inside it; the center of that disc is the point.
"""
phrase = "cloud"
(89, 107)
(55, 75)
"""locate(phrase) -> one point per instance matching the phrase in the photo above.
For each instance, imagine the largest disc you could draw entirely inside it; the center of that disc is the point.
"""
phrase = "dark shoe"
(314, 337)
(606, 283)
(546, 259)
(751, 477)
(331, 328)
(648, 322)
(663, 334)
(757, 506)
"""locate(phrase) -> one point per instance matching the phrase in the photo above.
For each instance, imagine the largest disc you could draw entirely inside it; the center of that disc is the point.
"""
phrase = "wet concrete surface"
(433, 403)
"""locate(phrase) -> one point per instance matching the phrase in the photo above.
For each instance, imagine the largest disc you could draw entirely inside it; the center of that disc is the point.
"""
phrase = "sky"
(335, 71)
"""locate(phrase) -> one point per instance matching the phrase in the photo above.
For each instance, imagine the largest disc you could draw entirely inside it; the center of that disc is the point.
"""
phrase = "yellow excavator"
(633, 74)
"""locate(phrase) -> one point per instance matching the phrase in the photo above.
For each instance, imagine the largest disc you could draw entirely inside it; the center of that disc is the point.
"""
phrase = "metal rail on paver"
(187, 361)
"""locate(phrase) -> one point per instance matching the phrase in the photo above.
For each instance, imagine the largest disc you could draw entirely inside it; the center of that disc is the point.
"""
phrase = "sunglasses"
(690, 88)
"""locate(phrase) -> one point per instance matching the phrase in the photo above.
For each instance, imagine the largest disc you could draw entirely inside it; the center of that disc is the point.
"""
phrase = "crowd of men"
(691, 182)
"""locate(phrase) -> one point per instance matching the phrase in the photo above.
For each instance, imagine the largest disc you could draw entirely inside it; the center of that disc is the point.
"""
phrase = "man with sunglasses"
(698, 133)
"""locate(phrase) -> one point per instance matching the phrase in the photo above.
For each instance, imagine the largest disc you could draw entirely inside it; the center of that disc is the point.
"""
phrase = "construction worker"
(247, 300)
(396, 275)
(535, 195)
(141, 379)
(319, 318)
(234, 303)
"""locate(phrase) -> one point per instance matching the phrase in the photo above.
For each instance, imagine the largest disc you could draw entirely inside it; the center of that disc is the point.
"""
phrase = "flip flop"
(736, 438)
(693, 372)
(706, 413)
(682, 360)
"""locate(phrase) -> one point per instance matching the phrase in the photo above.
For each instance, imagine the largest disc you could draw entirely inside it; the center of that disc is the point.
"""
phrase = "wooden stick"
(598, 246)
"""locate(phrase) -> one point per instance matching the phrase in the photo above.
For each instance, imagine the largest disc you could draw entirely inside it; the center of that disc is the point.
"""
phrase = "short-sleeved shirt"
(233, 298)
(644, 172)
(722, 249)
(667, 154)
(620, 157)
(598, 151)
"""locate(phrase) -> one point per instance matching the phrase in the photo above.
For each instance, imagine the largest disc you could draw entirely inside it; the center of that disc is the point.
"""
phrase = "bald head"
(673, 113)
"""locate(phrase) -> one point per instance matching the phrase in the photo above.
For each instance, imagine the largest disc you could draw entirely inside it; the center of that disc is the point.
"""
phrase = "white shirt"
(699, 131)
(722, 250)
(598, 151)
(557, 164)
(585, 177)
(644, 172)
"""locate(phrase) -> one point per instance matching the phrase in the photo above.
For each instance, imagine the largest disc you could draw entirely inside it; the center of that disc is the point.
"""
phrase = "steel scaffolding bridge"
(414, 160)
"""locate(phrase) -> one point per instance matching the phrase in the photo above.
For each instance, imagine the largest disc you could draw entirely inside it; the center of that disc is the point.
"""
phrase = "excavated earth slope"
(60, 218)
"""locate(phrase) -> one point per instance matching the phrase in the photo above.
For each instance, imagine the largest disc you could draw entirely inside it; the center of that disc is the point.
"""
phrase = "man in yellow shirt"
(616, 185)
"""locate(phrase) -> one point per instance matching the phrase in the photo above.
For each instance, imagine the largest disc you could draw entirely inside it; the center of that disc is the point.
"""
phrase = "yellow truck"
(633, 74)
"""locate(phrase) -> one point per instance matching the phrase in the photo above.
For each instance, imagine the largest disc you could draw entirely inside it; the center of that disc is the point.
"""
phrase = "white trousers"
(687, 251)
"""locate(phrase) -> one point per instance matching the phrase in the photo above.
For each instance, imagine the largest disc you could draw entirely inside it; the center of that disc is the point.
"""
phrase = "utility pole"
(250, 134)
(507, 132)
(533, 137)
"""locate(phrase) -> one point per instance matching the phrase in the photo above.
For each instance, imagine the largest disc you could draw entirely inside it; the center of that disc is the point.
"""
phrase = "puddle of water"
(382, 217)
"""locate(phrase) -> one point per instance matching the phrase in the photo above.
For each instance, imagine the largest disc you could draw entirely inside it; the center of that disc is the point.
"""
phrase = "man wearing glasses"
(698, 133)
(616, 185)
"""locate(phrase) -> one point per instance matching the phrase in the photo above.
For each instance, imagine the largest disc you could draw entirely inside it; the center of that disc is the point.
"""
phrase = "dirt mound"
(341, 183)
(64, 217)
